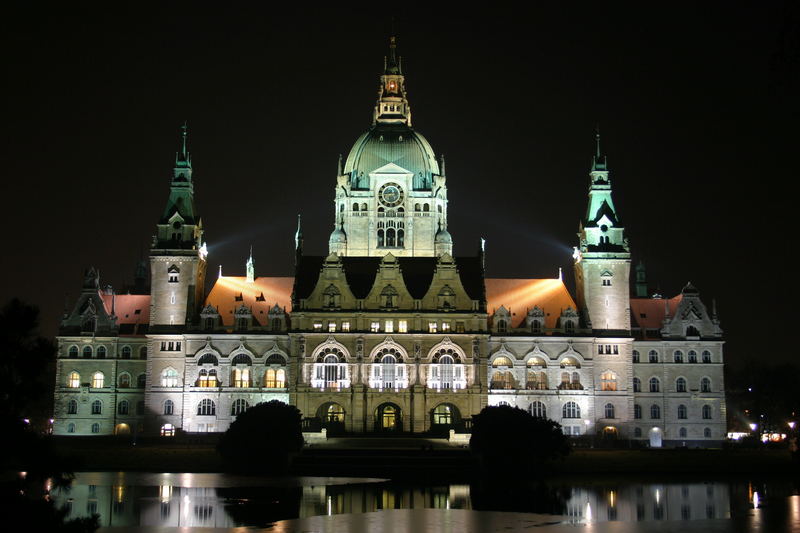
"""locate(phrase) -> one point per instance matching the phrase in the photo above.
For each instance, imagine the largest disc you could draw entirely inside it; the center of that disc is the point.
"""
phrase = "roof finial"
(298, 236)
(250, 267)
(219, 274)
(597, 139)
(442, 169)
(339, 168)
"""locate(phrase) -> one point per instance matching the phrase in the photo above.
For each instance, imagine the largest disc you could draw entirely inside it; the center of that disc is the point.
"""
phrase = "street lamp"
(753, 426)
(792, 424)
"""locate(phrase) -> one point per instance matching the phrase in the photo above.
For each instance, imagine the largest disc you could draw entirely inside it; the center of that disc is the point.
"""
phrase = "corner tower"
(603, 259)
(391, 195)
(178, 253)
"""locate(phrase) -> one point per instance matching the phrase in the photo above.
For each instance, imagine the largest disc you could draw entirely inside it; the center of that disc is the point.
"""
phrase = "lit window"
(460, 327)
(317, 326)
(98, 380)
(389, 326)
(608, 381)
(445, 326)
(432, 327)
(169, 378)
(167, 430)
(73, 380)
(331, 327)
(241, 378)
(375, 327)
(345, 326)
(402, 326)
(207, 378)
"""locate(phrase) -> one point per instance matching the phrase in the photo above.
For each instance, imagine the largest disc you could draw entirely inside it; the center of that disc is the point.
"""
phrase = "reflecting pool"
(131, 501)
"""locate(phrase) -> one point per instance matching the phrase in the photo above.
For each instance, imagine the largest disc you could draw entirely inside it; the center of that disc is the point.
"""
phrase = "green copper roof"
(391, 143)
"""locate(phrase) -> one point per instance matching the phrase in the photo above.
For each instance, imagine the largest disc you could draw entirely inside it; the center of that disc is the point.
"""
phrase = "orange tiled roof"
(648, 313)
(129, 308)
(230, 292)
(520, 295)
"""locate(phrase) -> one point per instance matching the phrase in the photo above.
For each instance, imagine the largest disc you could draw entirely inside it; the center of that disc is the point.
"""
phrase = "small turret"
(251, 271)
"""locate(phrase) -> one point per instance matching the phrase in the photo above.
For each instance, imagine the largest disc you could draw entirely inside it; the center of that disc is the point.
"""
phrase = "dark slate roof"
(361, 271)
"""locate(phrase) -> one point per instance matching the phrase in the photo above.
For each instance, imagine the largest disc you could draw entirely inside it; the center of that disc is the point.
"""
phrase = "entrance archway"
(332, 416)
(655, 438)
(610, 433)
(388, 418)
(122, 429)
(445, 416)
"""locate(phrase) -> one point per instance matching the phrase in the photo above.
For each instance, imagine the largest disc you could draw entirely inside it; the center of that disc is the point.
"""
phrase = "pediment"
(390, 168)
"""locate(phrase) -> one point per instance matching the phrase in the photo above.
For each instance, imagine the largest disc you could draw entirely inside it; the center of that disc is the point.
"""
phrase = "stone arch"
(536, 353)
(388, 342)
(330, 345)
(446, 346)
(388, 417)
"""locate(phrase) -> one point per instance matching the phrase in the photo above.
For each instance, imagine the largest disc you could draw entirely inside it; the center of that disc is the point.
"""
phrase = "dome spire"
(598, 160)
(392, 105)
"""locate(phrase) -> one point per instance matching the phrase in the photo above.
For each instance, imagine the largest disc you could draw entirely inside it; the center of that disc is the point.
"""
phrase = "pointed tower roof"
(181, 194)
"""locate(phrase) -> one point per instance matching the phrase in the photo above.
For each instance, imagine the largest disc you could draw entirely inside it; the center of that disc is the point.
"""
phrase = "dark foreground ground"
(419, 459)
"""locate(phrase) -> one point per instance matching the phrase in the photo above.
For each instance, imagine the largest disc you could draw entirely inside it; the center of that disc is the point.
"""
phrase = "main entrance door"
(387, 418)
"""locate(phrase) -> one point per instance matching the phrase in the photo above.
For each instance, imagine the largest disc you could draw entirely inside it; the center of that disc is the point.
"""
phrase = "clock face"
(391, 195)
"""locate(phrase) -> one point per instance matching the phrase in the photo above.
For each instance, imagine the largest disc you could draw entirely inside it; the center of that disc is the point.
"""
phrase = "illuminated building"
(389, 331)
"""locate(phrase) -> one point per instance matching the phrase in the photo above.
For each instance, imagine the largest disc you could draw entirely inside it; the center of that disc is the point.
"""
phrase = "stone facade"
(390, 331)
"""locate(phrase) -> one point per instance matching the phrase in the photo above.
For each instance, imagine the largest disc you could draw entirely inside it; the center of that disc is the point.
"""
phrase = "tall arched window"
(609, 410)
(707, 433)
(239, 406)
(538, 409)
(705, 385)
(680, 385)
(95, 428)
(636, 356)
(169, 407)
(101, 352)
(682, 433)
(706, 356)
(706, 412)
(608, 381)
(73, 380)
(330, 369)
(637, 385)
(208, 359)
(98, 380)
(655, 385)
(652, 356)
(125, 352)
(206, 407)
(571, 410)
(72, 407)
(381, 238)
(655, 411)
(678, 356)
(692, 356)
(97, 407)
(637, 411)
(87, 352)
(207, 378)
(73, 352)
(241, 377)
(683, 412)
(123, 407)
(401, 237)
(124, 380)
(169, 377)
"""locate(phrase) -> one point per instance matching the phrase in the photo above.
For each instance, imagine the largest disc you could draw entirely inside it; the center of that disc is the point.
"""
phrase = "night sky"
(697, 105)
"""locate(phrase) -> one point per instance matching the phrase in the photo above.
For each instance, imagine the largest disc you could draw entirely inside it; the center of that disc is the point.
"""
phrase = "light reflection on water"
(223, 501)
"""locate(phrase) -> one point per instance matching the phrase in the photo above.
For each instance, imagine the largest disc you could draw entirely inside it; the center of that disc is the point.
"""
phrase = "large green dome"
(391, 143)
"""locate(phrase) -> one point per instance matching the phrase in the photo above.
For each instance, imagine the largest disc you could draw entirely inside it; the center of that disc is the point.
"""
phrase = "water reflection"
(210, 500)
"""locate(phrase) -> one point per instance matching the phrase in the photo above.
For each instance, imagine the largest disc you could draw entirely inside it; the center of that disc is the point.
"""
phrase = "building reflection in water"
(180, 500)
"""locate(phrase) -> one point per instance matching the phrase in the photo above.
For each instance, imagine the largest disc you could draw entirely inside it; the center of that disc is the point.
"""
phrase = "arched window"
(143, 352)
(95, 428)
(705, 385)
(73, 352)
(680, 385)
(87, 352)
(692, 331)
(707, 433)
(387, 370)
(609, 410)
(124, 381)
(280, 378)
(330, 369)
(141, 381)
(706, 412)
(683, 412)
(241, 377)
(692, 356)
(239, 406)
(636, 356)
(637, 433)
(72, 407)
(655, 385)
(536, 377)
(207, 378)
(125, 352)
(97, 407)
(401, 236)
(123, 407)
(682, 433)
(608, 381)
(538, 409)
(637, 385)
(569, 326)
(390, 237)
(364, 206)
(169, 377)
(706, 356)
(678, 356)
(208, 359)
(446, 414)
(355, 206)
(101, 352)
(381, 238)
(71, 428)
(426, 208)
(652, 357)
(98, 380)
(637, 411)
(206, 408)
(571, 410)
(536, 326)
(169, 407)
(655, 411)
(73, 380)
(501, 326)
